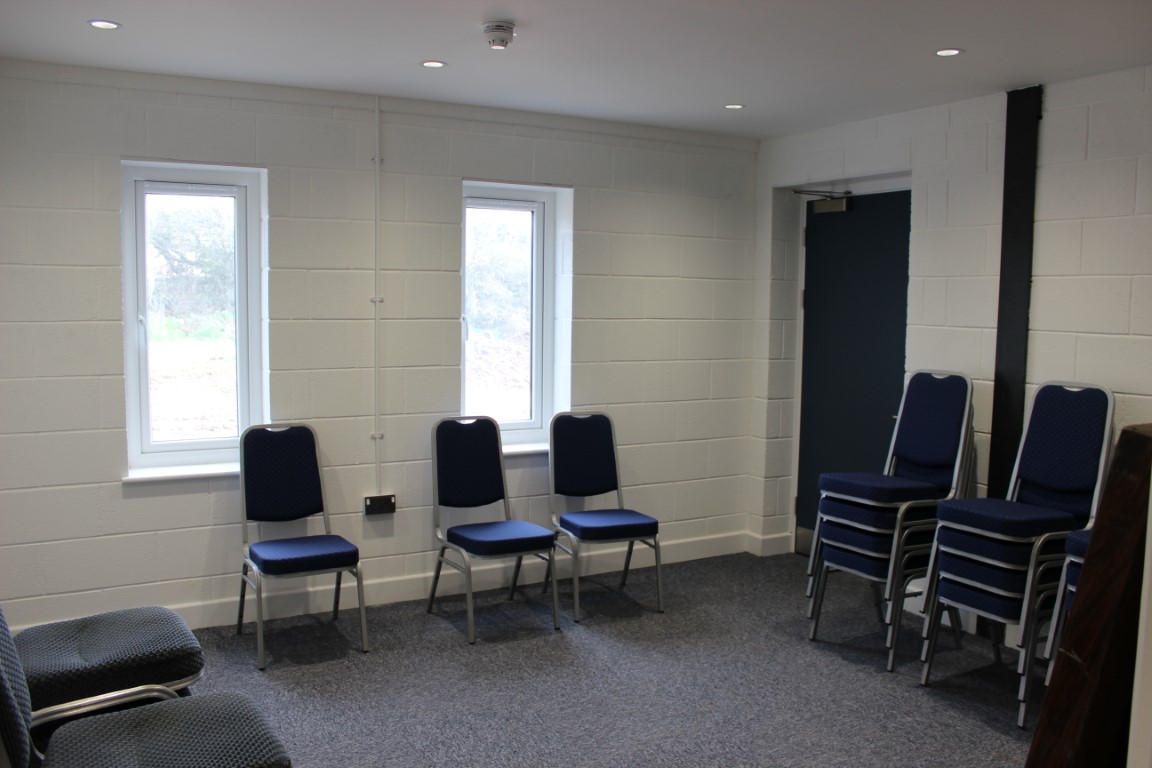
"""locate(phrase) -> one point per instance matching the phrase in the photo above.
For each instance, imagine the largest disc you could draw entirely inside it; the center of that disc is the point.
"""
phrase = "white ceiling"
(796, 64)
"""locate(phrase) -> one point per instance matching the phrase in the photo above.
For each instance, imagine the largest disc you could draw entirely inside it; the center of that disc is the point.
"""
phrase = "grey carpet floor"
(725, 677)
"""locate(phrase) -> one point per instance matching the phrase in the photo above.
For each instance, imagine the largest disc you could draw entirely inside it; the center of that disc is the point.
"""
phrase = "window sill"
(524, 449)
(159, 474)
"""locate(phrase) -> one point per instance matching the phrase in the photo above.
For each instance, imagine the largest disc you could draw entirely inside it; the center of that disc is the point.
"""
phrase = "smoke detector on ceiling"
(499, 34)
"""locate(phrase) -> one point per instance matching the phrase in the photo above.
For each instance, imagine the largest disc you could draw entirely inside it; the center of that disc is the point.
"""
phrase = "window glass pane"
(498, 308)
(190, 316)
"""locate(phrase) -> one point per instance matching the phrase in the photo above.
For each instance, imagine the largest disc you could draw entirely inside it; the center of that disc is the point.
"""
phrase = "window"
(517, 306)
(194, 351)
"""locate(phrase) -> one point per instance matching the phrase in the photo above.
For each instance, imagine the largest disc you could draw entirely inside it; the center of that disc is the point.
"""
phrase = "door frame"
(901, 182)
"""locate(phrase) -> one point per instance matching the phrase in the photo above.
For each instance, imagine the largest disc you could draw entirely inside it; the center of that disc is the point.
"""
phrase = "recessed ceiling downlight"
(949, 52)
(104, 24)
(432, 64)
(734, 106)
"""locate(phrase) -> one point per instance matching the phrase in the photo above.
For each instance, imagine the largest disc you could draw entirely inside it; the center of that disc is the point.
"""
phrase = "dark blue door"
(855, 317)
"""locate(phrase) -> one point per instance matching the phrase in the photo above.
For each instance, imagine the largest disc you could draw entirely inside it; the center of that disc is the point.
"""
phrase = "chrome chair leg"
(932, 624)
(515, 578)
(813, 560)
(336, 597)
(818, 598)
(627, 564)
(243, 589)
(576, 581)
(259, 585)
(363, 613)
(469, 600)
(436, 577)
(659, 576)
(555, 592)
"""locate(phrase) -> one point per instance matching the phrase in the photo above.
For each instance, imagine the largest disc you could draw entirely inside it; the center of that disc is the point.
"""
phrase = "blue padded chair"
(1002, 558)
(280, 482)
(72, 666)
(879, 525)
(1075, 550)
(222, 730)
(583, 464)
(468, 474)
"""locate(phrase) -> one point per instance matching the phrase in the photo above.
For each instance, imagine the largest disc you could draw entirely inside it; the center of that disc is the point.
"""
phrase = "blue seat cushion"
(609, 524)
(1076, 544)
(279, 557)
(977, 545)
(877, 487)
(78, 658)
(1009, 518)
(868, 516)
(502, 537)
(877, 544)
(1003, 579)
(990, 604)
(1010, 580)
(874, 568)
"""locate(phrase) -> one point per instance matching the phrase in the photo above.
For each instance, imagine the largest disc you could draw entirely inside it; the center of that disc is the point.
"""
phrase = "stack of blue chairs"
(879, 525)
(1002, 558)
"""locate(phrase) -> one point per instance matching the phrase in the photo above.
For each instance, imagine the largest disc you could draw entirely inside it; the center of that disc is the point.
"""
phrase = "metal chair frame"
(1065, 592)
(251, 575)
(895, 586)
(574, 542)
(466, 557)
(1040, 587)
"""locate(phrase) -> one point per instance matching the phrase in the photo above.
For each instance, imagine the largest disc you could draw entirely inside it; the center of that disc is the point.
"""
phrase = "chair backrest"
(15, 703)
(467, 464)
(932, 429)
(1065, 448)
(582, 455)
(280, 473)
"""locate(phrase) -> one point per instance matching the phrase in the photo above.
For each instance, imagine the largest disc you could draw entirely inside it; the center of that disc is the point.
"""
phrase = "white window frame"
(147, 459)
(552, 302)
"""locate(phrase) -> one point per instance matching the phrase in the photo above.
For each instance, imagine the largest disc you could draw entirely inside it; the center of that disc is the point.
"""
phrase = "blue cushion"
(609, 524)
(878, 544)
(1061, 450)
(1076, 544)
(963, 596)
(976, 545)
(879, 488)
(868, 516)
(928, 435)
(873, 568)
(502, 537)
(278, 557)
(1003, 579)
(1009, 518)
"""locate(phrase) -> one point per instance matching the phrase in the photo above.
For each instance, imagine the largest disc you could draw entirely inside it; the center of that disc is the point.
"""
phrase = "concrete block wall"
(1090, 315)
(663, 262)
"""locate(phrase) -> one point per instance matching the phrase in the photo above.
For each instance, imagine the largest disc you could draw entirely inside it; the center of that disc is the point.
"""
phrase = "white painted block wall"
(662, 260)
(1091, 312)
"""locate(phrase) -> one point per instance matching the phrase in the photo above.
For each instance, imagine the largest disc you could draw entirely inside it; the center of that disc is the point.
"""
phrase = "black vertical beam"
(1021, 139)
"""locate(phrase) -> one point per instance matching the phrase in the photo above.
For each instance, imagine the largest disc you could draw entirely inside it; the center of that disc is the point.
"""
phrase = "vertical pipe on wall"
(1021, 141)
(377, 435)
